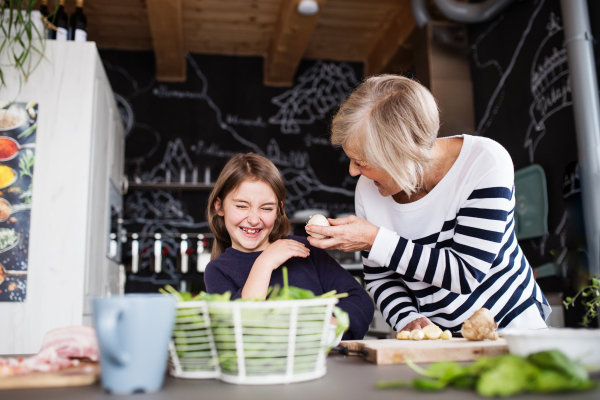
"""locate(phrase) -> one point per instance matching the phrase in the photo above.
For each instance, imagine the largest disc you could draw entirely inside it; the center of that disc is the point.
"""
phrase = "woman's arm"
(479, 228)
(392, 298)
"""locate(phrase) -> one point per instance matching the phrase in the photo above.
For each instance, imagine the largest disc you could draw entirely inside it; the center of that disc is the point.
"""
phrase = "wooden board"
(393, 351)
(84, 374)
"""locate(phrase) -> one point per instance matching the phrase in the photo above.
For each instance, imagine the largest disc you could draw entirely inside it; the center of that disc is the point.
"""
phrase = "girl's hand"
(346, 234)
(280, 251)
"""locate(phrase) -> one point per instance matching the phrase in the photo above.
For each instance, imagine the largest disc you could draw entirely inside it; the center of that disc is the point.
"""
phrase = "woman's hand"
(418, 323)
(280, 251)
(347, 234)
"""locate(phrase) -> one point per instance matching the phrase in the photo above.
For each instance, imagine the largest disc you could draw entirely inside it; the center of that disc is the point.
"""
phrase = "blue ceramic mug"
(133, 334)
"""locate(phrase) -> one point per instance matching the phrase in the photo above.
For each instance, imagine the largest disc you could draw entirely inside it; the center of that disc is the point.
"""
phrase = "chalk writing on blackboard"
(492, 106)
(235, 120)
(319, 90)
(550, 83)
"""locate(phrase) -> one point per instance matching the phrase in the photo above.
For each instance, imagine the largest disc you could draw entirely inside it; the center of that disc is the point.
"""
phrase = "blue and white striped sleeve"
(387, 290)
(481, 224)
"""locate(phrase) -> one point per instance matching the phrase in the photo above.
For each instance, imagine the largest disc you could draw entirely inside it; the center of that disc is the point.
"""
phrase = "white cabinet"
(79, 156)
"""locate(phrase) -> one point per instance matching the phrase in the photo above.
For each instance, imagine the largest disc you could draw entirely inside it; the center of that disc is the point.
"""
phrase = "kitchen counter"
(347, 378)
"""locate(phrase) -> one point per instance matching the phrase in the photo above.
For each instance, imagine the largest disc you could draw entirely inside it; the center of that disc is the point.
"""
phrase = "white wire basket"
(192, 352)
(271, 342)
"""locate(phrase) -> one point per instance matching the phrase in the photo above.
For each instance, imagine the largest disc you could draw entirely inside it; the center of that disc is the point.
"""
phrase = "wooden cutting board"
(393, 351)
(86, 373)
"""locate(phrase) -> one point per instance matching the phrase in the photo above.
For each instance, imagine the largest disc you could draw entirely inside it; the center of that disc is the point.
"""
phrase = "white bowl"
(578, 344)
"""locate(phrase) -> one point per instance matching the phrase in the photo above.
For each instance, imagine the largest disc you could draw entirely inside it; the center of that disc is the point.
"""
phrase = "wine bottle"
(49, 33)
(78, 24)
(61, 21)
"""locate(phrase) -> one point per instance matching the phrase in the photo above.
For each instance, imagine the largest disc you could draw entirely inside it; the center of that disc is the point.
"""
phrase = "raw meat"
(72, 342)
(58, 347)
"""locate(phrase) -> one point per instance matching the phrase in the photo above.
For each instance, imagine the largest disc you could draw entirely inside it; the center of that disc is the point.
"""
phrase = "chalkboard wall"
(223, 108)
(522, 97)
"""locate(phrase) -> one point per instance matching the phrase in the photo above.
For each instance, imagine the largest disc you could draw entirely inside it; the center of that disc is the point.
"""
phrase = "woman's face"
(384, 182)
(249, 212)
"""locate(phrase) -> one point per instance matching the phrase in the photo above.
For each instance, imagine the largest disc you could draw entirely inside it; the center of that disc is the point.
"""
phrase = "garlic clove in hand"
(320, 220)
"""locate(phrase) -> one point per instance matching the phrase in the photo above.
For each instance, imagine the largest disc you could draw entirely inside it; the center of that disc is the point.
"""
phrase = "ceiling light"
(308, 7)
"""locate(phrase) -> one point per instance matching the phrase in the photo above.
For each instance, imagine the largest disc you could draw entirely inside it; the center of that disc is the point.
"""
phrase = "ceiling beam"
(166, 28)
(393, 36)
(289, 42)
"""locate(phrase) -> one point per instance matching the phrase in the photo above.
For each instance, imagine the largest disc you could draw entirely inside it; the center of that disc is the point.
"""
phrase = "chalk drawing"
(319, 90)
(491, 109)
(550, 83)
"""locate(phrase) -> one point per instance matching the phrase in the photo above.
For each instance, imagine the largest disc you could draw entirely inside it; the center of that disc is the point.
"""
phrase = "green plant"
(26, 162)
(21, 39)
(591, 294)
(507, 375)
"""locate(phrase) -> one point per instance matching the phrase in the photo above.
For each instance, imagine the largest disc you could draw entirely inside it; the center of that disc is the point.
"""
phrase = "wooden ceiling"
(368, 31)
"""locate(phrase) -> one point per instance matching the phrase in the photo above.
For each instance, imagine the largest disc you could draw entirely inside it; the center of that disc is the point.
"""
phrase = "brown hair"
(392, 122)
(240, 168)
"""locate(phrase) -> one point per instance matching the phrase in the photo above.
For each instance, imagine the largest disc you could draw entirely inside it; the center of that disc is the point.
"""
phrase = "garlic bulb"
(320, 220)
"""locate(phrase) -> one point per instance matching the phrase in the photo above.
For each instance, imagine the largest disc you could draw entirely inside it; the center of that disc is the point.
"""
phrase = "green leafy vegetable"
(507, 375)
(26, 163)
(27, 132)
(26, 195)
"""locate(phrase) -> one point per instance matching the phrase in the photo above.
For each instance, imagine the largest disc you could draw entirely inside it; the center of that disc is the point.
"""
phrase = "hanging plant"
(23, 43)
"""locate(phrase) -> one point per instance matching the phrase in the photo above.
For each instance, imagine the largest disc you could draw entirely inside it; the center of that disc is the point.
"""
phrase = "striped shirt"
(453, 251)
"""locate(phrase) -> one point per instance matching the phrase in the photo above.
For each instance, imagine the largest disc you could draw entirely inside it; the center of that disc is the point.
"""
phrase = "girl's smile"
(249, 213)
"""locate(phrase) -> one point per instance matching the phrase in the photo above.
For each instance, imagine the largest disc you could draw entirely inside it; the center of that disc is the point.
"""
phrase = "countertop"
(348, 377)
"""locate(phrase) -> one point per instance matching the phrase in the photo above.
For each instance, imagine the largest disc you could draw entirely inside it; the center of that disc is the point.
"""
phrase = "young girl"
(246, 214)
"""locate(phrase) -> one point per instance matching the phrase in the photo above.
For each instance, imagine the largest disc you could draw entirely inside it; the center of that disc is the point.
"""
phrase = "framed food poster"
(18, 125)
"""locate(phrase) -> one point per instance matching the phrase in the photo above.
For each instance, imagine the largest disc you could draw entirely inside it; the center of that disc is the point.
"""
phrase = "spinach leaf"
(555, 360)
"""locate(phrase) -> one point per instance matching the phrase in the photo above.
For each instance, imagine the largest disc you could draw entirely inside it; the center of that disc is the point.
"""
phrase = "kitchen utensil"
(133, 333)
(6, 273)
(192, 351)
(11, 209)
(86, 373)
(394, 351)
(18, 114)
(577, 344)
(18, 147)
(271, 342)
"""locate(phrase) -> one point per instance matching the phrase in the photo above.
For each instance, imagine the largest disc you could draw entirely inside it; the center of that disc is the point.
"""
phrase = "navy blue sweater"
(318, 273)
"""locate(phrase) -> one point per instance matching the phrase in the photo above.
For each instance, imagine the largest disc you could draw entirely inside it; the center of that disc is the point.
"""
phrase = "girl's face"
(249, 213)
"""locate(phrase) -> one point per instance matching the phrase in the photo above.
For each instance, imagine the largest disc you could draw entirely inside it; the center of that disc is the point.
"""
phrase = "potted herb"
(591, 300)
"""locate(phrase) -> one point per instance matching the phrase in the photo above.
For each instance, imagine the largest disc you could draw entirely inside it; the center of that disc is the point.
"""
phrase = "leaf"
(556, 360)
(27, 132)
(429, 384)
(343, 320)
(512, 375)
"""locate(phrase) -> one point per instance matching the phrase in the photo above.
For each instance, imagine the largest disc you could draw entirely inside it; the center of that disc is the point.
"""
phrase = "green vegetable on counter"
(507, 375)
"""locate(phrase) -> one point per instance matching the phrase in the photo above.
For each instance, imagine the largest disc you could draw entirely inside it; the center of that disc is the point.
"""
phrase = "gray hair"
(392, 122)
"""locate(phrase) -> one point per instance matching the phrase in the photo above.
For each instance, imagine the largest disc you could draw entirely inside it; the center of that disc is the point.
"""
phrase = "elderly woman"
(435, 216)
